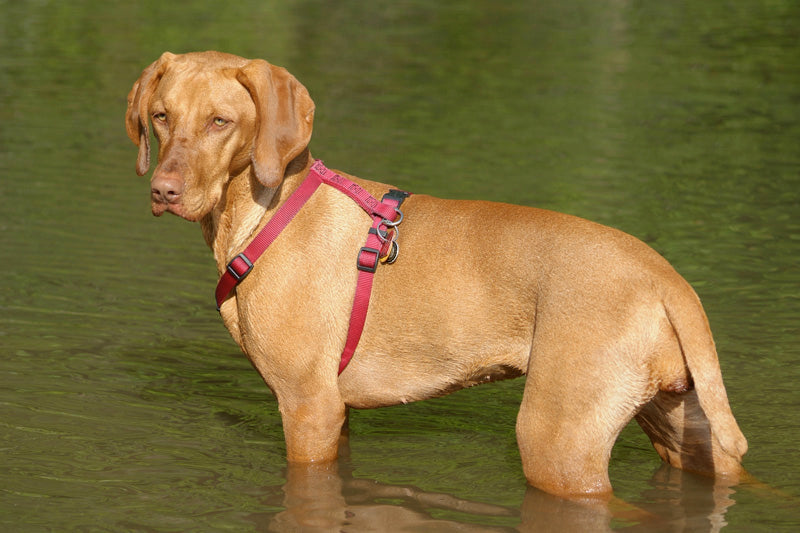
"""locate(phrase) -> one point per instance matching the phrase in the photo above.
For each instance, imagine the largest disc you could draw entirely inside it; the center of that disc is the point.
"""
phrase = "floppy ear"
(136, 117)
(284, 118)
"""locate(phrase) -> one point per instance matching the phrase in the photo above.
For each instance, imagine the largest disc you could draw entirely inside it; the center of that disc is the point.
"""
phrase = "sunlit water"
(124, 405)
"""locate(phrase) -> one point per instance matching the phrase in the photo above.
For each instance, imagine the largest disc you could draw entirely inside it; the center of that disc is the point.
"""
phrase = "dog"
(603, 328)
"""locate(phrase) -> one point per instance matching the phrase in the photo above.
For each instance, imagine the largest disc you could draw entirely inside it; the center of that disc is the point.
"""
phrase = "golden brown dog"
(602, 326)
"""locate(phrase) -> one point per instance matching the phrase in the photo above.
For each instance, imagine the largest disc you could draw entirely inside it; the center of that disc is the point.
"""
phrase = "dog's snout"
(166, 188)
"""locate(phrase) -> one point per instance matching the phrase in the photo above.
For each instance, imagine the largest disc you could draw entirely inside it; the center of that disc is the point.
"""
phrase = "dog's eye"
(161, 117)
(219, 121)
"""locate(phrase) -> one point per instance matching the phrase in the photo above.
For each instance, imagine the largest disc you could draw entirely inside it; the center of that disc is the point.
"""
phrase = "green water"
(124, 405)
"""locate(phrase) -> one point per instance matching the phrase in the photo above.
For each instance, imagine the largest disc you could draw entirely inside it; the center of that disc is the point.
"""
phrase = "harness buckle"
(366, 263)
(235, 267)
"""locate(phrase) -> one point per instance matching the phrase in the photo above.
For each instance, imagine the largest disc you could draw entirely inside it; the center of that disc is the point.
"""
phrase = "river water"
(124, 404)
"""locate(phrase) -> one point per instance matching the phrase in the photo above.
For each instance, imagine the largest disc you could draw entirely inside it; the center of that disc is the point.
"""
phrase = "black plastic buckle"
(396, 195)
(232, 269)
(368, 268)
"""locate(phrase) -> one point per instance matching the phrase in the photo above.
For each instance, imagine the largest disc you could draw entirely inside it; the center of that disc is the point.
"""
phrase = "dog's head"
(214, 115)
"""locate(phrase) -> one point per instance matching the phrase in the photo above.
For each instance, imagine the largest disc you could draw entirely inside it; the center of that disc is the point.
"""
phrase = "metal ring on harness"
(393, 223)
(382, 234)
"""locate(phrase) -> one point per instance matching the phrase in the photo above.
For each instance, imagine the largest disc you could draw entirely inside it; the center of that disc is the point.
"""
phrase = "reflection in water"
(329, 498)
(689, 502)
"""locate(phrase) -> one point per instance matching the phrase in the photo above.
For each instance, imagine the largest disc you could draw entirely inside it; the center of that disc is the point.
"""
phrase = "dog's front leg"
(312, 417)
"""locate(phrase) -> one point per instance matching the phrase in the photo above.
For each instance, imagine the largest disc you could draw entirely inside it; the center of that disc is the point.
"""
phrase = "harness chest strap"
(378, 248)
(381, 245)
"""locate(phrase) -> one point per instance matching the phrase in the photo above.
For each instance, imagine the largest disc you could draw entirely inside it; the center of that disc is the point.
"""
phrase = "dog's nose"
(166, 188)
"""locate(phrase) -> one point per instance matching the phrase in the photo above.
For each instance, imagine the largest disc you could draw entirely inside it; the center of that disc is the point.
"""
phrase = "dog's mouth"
(159, 208)
(176, 208)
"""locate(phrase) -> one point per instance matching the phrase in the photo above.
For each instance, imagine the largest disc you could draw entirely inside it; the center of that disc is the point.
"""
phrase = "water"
(124, 405)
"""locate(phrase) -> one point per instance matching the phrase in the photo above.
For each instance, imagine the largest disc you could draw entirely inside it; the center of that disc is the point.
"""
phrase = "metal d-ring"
(393, 223)
(382, 234)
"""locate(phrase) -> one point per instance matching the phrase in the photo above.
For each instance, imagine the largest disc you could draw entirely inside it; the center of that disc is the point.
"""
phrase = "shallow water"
(124, 405)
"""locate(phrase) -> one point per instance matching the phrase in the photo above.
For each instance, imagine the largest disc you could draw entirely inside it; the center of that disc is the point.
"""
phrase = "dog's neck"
(246, 206)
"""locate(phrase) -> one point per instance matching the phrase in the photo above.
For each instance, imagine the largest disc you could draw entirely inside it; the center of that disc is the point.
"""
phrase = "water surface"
(124, 405)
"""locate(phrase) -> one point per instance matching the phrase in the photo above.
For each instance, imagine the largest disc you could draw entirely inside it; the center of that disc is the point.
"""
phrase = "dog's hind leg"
(576, 402)
(589, 373)
(682, 436)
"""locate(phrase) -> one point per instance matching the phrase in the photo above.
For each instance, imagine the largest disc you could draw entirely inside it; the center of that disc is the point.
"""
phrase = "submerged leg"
(312, 425)
(682, 436)
(572, 412)
(589, 373)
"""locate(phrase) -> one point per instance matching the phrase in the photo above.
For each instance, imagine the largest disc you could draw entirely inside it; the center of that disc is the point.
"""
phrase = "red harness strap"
(381, 245)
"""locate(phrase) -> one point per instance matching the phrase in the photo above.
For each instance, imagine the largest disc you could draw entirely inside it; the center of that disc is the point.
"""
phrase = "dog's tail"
(685, 313)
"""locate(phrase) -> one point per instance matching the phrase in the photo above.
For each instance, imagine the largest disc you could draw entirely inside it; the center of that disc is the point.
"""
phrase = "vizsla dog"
(602, 326)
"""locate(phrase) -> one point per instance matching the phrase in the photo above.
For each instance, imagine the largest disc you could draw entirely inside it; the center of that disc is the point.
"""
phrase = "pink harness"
(381, 245)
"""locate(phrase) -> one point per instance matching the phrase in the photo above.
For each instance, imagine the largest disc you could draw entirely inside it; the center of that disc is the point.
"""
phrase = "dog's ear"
(284, 118)
(137, 117)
